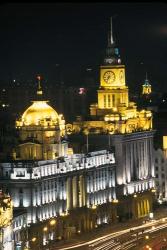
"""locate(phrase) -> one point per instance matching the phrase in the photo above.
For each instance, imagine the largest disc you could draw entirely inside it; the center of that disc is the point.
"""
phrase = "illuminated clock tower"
(115, 121)
(113, 90)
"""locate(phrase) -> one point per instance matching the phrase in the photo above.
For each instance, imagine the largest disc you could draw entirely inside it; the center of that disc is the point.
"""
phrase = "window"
(109, 101)
(21, 202)
(156, 168)
(20, 174)
(163, 176)
(156, 160)
(113, 100)
(104, 101)
(156, 175)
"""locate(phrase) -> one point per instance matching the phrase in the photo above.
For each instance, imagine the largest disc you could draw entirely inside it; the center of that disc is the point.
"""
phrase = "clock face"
(109, 77)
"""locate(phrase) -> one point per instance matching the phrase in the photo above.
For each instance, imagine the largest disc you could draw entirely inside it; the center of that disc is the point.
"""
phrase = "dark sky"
(35, 38)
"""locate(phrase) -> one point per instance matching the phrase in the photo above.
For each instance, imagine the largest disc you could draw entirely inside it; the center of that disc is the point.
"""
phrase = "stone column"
(69, 193)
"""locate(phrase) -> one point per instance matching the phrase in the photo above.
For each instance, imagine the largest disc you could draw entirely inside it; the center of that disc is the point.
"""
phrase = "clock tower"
(114, 112)
(113, 90)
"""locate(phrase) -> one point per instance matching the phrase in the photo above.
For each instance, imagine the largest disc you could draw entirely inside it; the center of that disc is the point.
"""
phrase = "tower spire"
(112, 52)
(111, 32)
(39, 90)
(146, 76)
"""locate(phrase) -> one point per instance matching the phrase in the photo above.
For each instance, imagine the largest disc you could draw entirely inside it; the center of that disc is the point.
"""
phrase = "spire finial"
(39, 90)
(146, 76)
(111, 32)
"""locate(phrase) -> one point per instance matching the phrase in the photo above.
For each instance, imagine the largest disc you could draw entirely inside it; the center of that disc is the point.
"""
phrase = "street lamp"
(45, 229)
(33, 239)
(52, 222)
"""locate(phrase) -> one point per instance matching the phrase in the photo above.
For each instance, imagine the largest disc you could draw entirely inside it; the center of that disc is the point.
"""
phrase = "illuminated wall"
(40, 132)
(55, 187)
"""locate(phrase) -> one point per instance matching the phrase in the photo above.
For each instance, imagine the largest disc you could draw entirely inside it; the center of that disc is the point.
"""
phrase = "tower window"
(113, 100)
(109, 101)
(104, 101)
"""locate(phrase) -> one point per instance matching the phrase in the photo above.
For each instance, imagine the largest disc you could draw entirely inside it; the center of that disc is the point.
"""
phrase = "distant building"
(70, 100)
(160, 158)
(146, 87)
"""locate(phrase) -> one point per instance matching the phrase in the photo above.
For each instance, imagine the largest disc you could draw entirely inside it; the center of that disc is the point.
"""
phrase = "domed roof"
(38, 113)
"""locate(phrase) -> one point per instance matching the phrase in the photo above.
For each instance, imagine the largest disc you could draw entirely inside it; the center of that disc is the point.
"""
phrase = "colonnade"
(143, 208)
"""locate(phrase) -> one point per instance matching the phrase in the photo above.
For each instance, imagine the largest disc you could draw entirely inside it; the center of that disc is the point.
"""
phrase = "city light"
(34, 239)
(115, 201)
(45, 229)
(52, 222)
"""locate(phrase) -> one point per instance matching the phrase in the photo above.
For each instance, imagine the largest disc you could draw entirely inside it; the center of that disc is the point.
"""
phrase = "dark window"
(163, 176)
(156, 176)
(21, 202)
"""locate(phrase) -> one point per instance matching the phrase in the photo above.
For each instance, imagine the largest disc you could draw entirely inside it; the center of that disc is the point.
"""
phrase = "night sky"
(69, 38)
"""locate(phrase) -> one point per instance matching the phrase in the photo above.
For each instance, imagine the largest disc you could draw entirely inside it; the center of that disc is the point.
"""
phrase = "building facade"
(46, 180)
(160, 159)
(79, 188)
(129, 132)
(6, 217)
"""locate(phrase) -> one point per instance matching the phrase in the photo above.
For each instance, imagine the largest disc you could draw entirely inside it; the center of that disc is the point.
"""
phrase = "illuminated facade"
(6, 217)
(46, 180)
(129, 131)
(41, 131)
(80, 187)
(114, 113)
(160, 159)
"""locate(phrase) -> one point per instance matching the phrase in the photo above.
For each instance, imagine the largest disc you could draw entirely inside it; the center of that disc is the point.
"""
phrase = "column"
(75, 191)
(69, 193)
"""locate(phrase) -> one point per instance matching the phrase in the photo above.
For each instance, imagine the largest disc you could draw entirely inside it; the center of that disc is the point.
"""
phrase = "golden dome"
(40, 113)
